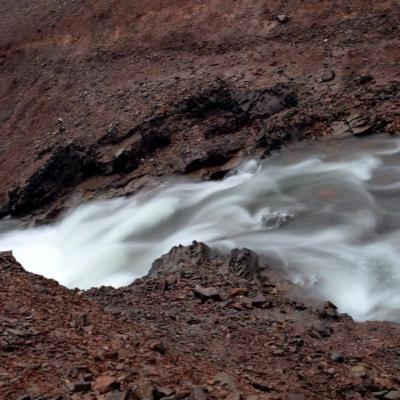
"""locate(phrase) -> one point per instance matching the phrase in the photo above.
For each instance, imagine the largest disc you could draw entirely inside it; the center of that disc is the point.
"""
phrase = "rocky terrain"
(200, 326)
(101, 98)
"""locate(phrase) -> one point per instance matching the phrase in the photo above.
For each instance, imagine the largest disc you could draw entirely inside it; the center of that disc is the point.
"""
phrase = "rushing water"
(328, 214)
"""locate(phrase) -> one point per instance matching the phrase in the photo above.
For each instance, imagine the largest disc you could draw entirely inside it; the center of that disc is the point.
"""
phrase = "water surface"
(326, 214)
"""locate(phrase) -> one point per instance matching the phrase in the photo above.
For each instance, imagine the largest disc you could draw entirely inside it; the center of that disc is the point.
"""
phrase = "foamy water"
(328, 215)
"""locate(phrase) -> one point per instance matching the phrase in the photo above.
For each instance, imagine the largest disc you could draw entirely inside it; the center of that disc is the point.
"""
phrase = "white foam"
(327, 215)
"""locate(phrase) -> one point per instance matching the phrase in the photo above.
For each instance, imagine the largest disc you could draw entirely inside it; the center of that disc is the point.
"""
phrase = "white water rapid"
(328, 214)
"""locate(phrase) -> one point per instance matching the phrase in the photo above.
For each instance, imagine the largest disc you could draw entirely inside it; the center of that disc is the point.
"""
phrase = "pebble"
(337, 357)
(359, 371)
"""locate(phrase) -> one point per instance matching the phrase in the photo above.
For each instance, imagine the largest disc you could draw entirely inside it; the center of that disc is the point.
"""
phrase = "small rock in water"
(276, 219)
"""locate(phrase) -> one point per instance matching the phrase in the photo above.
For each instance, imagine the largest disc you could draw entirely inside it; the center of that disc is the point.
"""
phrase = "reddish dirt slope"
(200, 328)
(70, 71)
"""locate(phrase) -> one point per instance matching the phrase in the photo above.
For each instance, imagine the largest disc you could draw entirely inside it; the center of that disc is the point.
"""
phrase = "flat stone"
(104, 384)
(340, 129)
(393, 395)
(353, 117)
(226, 380)
(359, 371)
(362, 130)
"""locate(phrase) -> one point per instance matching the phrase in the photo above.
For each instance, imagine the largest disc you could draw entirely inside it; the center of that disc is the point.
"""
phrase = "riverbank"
(200, 327)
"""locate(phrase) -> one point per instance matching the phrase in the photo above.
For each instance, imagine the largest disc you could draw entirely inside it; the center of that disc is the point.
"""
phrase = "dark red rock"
(104, 384)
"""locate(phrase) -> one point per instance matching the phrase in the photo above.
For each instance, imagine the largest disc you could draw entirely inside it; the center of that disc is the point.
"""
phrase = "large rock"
(244, 263)
(181, 258)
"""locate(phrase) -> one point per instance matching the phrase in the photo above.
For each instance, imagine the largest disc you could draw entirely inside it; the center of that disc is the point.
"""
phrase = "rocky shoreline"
(200, 326)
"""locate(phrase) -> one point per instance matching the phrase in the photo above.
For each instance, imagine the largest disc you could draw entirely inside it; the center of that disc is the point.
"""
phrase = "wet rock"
(66, 167)
(104, 384)
(327, 75)
(207, 293)
(180, 258)
(340, 129)
(362, 130)
(359, 125)
(244, 263)
(211, 158)
(277, 219)
(329, 311)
